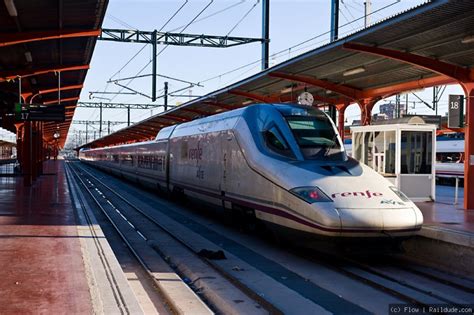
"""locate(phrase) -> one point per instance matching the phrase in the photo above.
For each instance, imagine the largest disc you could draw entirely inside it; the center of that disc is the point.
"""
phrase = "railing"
(8, 167)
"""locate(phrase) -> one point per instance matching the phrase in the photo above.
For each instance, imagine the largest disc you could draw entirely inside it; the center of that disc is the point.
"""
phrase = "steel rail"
(247, 291)
(344, 265)
(100, 250)
(122, 236)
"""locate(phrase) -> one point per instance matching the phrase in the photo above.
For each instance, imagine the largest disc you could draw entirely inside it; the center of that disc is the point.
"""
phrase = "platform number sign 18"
(456, 111)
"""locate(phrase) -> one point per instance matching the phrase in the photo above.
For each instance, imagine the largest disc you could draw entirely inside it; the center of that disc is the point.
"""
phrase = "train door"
(226, 167)
(167, 164)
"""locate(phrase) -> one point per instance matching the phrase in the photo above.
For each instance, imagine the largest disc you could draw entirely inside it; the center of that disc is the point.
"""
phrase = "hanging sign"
(39, 112)
(456, 111)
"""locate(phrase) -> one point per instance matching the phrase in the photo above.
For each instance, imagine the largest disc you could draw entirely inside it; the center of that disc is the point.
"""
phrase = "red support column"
(366, 105)
(38, 149)
(34, 151)
(26, 156)
(41, 149)
(19, 143)
(341, 120)
(469, 147)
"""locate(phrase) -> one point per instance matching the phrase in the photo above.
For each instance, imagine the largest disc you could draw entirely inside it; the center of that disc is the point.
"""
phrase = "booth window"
(390, 152)
(416, 152)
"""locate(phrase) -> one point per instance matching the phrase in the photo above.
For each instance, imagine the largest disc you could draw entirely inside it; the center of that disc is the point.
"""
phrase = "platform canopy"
(49, 45)
(432, 44)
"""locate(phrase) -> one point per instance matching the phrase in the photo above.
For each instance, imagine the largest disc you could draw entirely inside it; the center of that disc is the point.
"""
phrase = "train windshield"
(315, 137)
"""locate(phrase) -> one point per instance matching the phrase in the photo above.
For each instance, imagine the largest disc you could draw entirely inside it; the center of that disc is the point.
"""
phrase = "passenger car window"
(276, 142)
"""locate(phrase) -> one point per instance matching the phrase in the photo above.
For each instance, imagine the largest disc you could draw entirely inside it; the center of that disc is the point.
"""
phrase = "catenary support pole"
(334, 20)
(153, 69)
(100, 125)
(265, 34)
(166, 96)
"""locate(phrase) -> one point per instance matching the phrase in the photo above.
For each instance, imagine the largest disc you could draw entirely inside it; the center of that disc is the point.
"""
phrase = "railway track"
(209, 283)
(334, 284)
(413, 284)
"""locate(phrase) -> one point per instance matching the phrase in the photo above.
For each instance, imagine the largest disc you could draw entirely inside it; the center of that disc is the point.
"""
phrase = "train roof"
(227, 120)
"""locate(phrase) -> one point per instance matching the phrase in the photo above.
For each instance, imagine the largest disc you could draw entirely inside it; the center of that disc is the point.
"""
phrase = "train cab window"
(315, 137)
(276, 142)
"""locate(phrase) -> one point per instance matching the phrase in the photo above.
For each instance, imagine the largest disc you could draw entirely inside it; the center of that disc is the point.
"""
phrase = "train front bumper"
(390, 221)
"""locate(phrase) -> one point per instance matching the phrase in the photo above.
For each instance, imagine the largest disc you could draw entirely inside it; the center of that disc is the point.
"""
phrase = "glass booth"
(403, 153)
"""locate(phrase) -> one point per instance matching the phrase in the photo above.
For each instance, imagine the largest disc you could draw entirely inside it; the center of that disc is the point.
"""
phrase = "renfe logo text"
(366, 194)
(195, 153)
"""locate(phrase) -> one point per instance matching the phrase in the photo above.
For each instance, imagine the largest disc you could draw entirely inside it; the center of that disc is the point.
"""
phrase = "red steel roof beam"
(63, 100)
(390, 90)
(253, 96)
(345, 90)
(174, 117)
(291, 97)
(217, 104)
(453, 71)
(62, 88)
(8, 39)
(13, 74)
(195, 111)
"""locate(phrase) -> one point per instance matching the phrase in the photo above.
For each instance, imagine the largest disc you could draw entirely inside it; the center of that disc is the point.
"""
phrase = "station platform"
(446, 221)
(42, 268)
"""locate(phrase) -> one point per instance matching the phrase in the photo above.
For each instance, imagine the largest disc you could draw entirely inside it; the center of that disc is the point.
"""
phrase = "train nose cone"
(379, 219)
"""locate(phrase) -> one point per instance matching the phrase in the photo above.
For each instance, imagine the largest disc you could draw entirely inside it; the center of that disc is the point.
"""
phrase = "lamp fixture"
(11, 7)
(28, 57)
(287, 90)
(468, 39)
(353, 71)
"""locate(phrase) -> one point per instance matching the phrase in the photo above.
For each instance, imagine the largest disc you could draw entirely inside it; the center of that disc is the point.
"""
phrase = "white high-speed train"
(282, 164)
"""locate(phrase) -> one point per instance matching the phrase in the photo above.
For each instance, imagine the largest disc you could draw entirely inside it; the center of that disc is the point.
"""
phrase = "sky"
(291, 23)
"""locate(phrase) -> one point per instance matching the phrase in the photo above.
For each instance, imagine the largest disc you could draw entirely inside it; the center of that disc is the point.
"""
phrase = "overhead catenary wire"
(164, 25)
(145, 45)
(166, 46)
(243, 17)
(174, 15)
(295, 46)
(212, 14)
(349, 12)
(347, 20)
(168, 21)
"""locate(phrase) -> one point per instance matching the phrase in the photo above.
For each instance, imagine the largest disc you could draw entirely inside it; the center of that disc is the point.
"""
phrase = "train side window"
(276, 142)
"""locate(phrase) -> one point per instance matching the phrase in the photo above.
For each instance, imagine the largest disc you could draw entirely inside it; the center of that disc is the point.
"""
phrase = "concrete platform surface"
(444, 220)
(42, 270)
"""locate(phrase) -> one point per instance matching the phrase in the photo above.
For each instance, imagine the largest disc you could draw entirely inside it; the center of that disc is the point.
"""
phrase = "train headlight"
(401, 195)
(310, 194)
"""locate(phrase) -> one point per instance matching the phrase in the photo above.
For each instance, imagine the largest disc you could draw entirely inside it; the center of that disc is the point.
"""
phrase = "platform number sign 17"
(456, 111)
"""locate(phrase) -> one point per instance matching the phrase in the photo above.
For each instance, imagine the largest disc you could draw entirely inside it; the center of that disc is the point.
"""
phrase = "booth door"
(416, 176)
